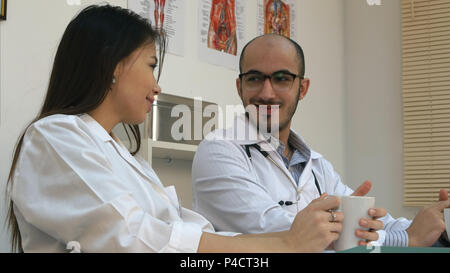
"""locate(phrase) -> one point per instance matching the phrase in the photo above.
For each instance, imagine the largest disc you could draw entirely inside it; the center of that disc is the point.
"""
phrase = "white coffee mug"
(447, 221)
(354, 208)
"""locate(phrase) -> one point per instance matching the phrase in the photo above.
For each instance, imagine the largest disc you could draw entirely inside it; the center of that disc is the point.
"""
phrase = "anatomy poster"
(221, 31)
(168, 15)
(276, 16)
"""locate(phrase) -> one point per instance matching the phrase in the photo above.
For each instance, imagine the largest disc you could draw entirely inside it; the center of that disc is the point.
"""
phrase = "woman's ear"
(117, 70)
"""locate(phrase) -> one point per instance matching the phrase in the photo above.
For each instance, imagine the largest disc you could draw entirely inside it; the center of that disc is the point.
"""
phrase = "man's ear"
(304, 86)
(238, 87)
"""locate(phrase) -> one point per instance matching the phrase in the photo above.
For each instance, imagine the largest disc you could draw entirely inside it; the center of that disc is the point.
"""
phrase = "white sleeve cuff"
(185, 238)
(381, 238)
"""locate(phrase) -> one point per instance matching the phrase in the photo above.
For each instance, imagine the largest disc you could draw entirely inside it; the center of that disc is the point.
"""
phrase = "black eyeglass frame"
(265, 76)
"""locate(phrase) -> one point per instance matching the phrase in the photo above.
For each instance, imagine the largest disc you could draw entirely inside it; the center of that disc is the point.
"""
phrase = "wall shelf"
(166, 150)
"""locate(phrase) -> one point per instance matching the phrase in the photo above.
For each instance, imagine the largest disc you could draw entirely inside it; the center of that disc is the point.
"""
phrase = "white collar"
(96, 128)
(244, 132)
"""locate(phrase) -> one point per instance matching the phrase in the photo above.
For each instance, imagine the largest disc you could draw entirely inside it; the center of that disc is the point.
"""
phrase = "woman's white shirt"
(74, 182)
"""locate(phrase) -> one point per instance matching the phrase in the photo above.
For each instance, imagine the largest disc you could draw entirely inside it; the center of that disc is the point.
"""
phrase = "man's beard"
(282, 124)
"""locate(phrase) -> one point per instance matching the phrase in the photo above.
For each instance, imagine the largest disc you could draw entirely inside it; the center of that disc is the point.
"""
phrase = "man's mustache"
(265, 102)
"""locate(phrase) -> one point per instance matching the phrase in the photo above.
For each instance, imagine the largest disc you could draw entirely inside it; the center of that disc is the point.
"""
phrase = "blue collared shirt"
(300, 156)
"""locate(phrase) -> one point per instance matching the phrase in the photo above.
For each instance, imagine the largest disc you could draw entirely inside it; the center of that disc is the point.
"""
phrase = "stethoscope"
(266, 155)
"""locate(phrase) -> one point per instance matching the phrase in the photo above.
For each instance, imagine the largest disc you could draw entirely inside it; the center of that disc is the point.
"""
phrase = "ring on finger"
(333, 216)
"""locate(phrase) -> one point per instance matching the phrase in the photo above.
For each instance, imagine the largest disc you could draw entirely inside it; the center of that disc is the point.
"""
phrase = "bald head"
(276, 42)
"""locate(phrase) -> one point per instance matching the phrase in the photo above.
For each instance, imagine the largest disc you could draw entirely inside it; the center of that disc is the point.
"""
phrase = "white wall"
(320, 115)
(374, 102)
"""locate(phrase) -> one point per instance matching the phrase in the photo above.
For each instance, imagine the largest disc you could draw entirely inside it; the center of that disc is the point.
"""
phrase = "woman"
(72, 180)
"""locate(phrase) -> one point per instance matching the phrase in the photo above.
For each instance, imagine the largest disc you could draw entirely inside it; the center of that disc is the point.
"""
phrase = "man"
(257, 185)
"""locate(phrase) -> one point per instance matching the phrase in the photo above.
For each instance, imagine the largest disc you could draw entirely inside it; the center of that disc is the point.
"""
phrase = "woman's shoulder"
(63, 134)
(58, 118)
(58, 123)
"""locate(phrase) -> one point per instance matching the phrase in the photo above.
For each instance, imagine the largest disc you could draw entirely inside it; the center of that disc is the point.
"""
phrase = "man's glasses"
(281, 80)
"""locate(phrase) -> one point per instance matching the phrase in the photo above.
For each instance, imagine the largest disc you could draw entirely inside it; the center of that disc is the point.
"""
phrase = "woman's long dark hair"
(94, 42)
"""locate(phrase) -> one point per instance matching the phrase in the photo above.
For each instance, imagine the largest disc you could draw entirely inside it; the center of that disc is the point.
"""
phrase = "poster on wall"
(3, 10)
(222, 30)
(276, 16)
(168, 15)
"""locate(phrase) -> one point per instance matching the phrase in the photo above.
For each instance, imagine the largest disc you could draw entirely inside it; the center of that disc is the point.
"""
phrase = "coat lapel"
(125, 154)
(280, 164)
(96, 128)
(306, 174)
